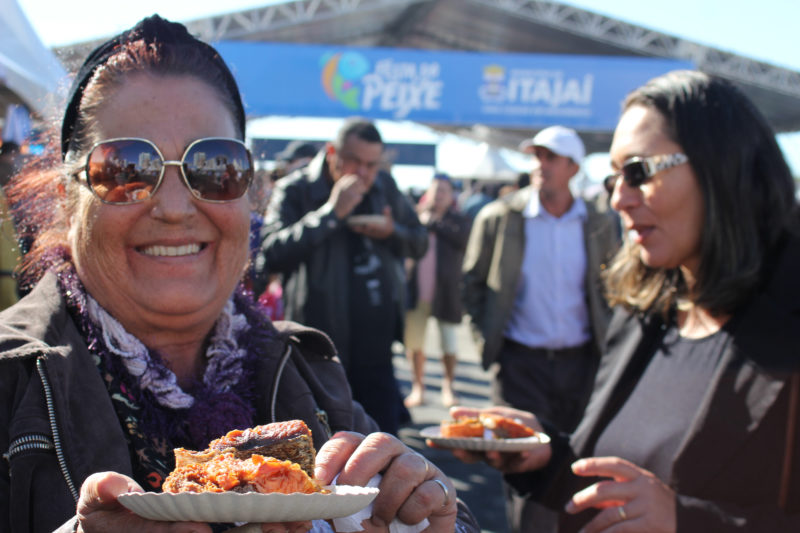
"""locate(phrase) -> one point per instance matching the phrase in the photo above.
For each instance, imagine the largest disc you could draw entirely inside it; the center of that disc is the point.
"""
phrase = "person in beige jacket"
(533, 292)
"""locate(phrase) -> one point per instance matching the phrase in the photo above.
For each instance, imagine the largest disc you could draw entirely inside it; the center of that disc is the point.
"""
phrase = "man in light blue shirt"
(533, 292)
(550, 309)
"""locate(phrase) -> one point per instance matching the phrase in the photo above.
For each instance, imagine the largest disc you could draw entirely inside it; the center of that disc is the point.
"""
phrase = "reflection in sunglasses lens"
(123, 171)
(218, 170)
(128, 170)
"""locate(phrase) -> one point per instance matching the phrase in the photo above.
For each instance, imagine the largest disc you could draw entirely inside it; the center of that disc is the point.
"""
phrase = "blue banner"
(438, 87)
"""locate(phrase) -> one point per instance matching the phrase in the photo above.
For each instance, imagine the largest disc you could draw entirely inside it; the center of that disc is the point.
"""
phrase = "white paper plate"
(250, 507)
(475, 444)
(366, 219)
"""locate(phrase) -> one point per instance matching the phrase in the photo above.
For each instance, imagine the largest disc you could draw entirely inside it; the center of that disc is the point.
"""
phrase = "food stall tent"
(30, 74)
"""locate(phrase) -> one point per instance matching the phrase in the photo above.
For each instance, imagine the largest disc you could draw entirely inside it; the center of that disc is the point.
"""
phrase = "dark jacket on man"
(305, 242)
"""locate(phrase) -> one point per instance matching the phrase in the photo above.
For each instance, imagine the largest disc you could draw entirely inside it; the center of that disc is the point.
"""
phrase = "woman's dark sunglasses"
(130, 170)
(637, 170)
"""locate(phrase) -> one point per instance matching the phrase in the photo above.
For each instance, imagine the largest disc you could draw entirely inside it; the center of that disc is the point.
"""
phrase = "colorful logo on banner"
(397, 88)
(460, 88)
(341, 77)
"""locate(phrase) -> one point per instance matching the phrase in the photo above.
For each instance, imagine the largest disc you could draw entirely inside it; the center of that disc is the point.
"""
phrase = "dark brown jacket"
(728, 470)
(58, 426)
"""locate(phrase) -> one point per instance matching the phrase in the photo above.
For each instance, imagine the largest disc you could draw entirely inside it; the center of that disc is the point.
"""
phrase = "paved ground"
(478, 485)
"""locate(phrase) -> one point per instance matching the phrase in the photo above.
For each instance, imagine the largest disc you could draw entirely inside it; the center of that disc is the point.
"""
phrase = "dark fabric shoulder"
(781, 282)
(772, 317)
(621, 318)
(310, 179)
(514, 202)
(36, 323)
(298, 178)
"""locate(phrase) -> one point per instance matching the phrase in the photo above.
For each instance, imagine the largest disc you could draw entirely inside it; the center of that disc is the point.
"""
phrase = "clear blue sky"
(766, 30)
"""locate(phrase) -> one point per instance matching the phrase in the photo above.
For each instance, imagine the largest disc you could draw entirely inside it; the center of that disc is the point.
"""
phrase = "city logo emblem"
(341, 77)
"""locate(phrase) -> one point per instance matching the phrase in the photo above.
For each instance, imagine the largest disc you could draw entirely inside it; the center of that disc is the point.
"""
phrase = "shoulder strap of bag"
(314, 356)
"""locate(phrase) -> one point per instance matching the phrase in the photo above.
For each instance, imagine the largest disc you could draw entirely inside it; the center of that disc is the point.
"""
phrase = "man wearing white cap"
(533, 292)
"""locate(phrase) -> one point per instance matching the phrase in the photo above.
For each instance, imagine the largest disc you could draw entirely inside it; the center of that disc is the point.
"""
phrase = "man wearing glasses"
(534, 296)
(338, 231)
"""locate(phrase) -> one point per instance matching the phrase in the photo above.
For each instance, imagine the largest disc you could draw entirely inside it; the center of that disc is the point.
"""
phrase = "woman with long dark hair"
(693, 421)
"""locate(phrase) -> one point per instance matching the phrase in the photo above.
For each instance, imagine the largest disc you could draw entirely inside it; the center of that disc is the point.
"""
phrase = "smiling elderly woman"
(137, 337)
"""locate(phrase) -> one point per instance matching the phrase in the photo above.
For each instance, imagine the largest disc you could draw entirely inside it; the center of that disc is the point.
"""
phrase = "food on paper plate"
(486, 426)
(289, 441)
(506, 428)
(272, 458)
(226, 473)
(462, 427)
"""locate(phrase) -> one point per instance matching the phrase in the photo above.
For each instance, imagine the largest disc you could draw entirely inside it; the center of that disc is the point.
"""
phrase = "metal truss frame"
(241, 24)
(648, 42)
(639, 40)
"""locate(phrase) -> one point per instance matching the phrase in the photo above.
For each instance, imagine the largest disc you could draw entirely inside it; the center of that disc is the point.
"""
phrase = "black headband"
(153, 29)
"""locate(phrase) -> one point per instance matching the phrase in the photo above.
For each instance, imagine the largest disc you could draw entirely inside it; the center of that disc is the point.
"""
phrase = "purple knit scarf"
(214, 412)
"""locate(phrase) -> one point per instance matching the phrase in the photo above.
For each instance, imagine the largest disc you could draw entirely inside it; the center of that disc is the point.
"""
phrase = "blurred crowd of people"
(533, 265)
(649, 331)
(301, 205)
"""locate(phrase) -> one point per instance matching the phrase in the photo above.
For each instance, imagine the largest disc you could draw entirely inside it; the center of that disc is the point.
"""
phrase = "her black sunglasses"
(637, 170)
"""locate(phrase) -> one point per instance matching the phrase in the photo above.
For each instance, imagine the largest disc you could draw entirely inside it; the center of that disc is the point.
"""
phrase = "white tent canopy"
(485, 163)
(29, 71)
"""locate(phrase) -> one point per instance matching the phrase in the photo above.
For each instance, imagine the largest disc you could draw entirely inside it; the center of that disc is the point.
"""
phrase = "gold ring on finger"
(446, 489)
(427, 466)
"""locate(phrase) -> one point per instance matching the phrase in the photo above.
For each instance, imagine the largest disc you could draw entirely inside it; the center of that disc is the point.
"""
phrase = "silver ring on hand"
(447, 497)
(622, 514)
(427, 467)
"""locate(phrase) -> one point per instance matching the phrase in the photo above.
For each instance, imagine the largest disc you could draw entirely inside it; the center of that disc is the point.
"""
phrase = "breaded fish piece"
(225, 472)
(287, 441)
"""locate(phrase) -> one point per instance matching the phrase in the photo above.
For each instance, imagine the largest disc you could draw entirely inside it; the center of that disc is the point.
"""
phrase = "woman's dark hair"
(175, 52)
(748, 195)
(43, 196)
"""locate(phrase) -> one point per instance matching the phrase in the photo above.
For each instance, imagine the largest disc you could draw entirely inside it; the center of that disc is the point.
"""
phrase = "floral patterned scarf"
(155, 413)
